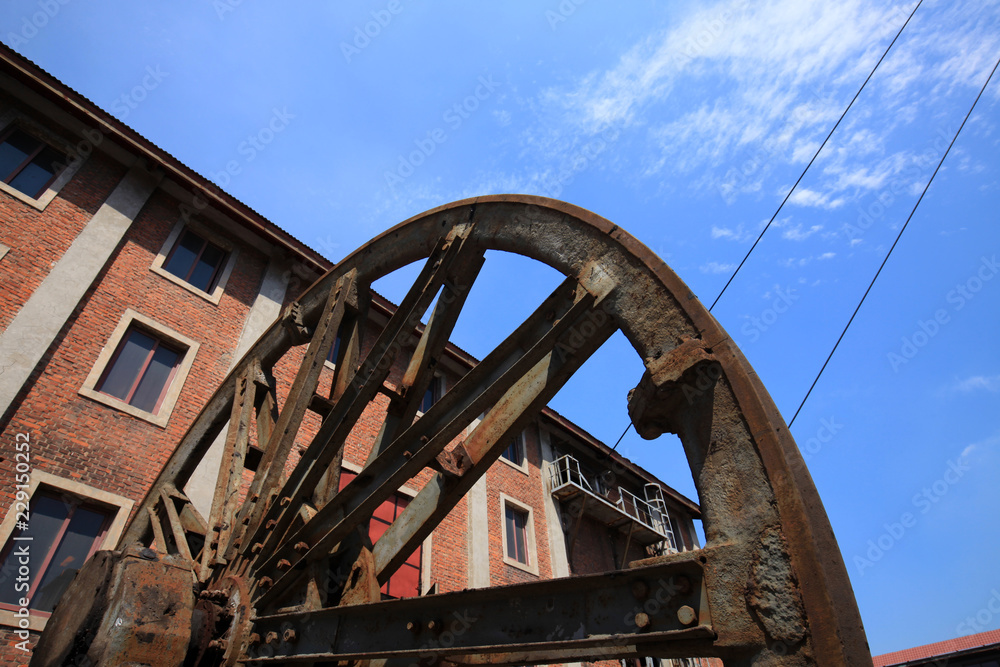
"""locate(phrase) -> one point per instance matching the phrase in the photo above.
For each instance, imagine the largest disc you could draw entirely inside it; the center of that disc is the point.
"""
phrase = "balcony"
(646, 520)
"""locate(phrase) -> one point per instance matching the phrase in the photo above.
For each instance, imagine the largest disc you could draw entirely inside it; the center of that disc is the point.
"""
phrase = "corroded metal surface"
(769, 588)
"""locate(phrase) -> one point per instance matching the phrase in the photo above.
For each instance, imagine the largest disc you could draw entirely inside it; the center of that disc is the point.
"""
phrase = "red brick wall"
(37, 239)
(77, 438)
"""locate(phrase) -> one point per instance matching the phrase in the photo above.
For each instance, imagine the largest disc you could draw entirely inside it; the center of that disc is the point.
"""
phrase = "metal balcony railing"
(650, 512)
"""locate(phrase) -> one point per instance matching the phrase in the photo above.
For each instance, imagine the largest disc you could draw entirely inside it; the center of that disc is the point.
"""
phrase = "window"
(515, 454)
(196, 259)
(435, 390)
(405, 582)
(27, 164)
(518, 535)
(141, 369)
(516, 525)
(67, 522)
(62, 533)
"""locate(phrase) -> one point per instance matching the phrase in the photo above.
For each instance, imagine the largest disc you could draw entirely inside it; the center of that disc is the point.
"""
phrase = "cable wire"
(802, 175)
(903, 229)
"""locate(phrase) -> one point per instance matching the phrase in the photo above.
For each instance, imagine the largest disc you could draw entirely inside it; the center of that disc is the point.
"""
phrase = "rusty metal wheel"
(769, 587)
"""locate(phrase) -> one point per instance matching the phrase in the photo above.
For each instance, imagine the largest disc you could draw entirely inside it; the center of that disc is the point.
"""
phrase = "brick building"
(129, 287)
(978, 650)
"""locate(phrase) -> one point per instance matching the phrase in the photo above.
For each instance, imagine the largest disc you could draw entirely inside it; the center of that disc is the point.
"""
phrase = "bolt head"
(686, 615)
(290, 635)
(642, 620)
(271, 637)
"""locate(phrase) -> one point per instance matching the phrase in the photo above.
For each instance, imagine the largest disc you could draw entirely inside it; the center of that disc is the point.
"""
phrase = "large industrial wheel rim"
(770, 583)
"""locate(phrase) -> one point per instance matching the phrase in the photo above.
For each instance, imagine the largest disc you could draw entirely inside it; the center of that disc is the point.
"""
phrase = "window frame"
(523, 446)
(426, 547)
(222, 273)
(13, 120)
(109, 353)
(531, 549)
(118, 507)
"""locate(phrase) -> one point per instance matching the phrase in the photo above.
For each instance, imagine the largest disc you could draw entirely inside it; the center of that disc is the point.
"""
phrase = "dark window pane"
(84, 528)
(154, 381)
(204, 272)
(516, 534)
(129, 362)
(514, 453)
(430, 396)
(185, 252)
(31, 180)
(11, 157)
(46, 519)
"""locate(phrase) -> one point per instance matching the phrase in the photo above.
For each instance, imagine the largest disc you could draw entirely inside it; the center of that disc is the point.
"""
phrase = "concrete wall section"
(265, 310)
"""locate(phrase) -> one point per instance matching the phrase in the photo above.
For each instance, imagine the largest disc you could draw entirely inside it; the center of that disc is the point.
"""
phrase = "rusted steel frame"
(656, 313)
(472, 395)
(222, 516)
(265, 405)
(346, 366)
(279, 445)
(159, 539)
(420, 370)
(510, 415)
(174, 521)
(601, 615)
(330, 438)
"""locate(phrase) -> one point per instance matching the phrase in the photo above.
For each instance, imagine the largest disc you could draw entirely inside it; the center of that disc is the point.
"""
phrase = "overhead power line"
(903, 229)
(802, 175)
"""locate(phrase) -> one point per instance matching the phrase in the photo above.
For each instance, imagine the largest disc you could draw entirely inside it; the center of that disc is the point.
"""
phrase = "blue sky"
(686, 124)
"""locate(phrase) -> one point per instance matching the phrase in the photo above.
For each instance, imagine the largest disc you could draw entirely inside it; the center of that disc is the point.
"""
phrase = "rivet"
(254, 638)
(284, 564)
(642, 620)
(271, 523)
(686, 615)
(640, 590)
(271, 637)
(265, 582)
(290, 636)
(683, 584)
(218, 644)
(413, 626)
(256, 548)
(434, 626)
(285, 500)
(301, 547)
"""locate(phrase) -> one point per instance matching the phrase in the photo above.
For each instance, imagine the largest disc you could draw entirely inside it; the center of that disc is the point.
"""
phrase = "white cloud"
(796, 233)
(976, 383)
(738, 234)
(716, 267)
(736, 89)
(827, 255)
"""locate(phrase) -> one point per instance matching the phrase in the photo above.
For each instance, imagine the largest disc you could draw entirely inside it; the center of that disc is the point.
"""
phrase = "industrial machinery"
(282, 575)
